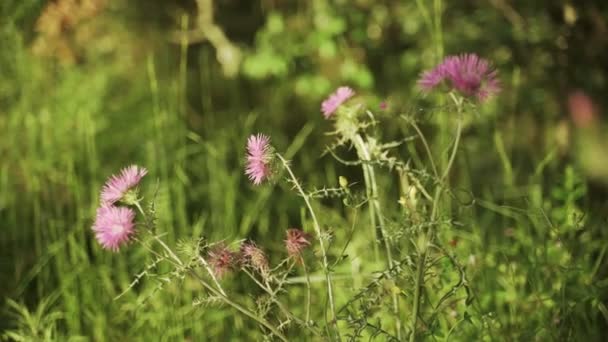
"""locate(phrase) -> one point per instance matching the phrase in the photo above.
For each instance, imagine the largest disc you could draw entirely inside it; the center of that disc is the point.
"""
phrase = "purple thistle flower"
(329, 106)
(469, 74)
(296, 241)
(259, 158)
(254, 256)
(117, 186)
(114, 226)
(221, 259)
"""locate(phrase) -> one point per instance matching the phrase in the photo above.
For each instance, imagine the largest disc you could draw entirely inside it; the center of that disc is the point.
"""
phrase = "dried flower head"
(254, 256)
(259, 158)
(114, 226)
(222, 259)
(121, 187)
(335, 100)
(296, 241)
(469, 74)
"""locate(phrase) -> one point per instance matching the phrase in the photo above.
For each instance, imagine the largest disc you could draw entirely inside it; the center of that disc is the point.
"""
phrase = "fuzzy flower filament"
(469, 74)
(259, 158)
(335, 100)
(255, 257)
(114, 226)
(222, 260)
(122, 187)
(296, 242)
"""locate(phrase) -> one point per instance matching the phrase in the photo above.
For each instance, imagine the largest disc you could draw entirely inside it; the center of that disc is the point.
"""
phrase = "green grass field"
(520, 224)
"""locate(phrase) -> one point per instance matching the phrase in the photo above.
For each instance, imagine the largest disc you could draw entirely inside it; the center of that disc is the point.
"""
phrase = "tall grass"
(530, 239)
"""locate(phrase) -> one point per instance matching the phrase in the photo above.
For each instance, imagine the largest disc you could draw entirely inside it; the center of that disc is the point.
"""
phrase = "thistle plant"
(395, 301)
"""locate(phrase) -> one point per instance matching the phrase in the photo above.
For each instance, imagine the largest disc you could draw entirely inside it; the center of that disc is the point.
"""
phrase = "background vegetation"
(88, 86)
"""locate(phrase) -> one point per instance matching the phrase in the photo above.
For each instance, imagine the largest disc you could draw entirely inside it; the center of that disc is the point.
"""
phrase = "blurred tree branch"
(227, 53)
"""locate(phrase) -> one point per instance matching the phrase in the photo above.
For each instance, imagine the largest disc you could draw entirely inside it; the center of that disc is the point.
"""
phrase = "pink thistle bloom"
(582, 109)
(221, 259)
(254, 256)
(114, 226)
(469, 74)
(119, 185)
(329, 106)
(296, 241)
(259, 158)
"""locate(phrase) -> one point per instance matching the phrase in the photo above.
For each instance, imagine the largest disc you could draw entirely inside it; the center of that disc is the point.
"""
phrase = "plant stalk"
(317, 227)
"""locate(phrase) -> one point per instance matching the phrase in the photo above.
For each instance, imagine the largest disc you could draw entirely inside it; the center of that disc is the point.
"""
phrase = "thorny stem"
(317, 227)
(238, 307)
(429, 232)
(372, 188)
(159, 240)
(280, 305)
(216, 292)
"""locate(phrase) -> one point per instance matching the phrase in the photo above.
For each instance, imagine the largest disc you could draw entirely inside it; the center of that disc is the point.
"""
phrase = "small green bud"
(343, 182)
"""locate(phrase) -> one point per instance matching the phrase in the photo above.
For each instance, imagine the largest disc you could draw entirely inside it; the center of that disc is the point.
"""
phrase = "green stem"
(307, 290)
(371, 209)
(372, 188)
(417, 293)
(317, 227)
(159, 240)
(429, 233)
(426, 147)
(280, 305)
(238, 307)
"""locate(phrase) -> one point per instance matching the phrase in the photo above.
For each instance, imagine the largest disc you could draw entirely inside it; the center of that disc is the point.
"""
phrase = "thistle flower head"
(469, 74)
(254, 256)
(296, 241)
(582, 109)
(331, 104)
(114, 226)
(259, 158)
(121, 187)
(221, 259)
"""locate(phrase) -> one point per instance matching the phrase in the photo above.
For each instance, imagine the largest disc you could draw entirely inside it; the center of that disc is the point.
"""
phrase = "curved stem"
(426, 147)
(238, 307)
(317, 227)
(159, 240)
(280, 305)
(453, 156)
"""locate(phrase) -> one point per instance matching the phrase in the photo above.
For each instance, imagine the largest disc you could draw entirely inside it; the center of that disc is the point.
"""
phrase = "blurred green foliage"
(95, 85)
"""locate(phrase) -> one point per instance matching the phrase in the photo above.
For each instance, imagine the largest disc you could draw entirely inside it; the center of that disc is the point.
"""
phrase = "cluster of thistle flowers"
(468, 74)
(114, 224)
(223, 260)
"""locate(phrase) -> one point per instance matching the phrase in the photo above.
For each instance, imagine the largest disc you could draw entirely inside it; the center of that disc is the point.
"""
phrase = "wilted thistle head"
(254, 256)
(121, 187)
(469, 74)
(296, 241)
(259, 158)
(335, 100)
(222, 259)
(114, 226)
